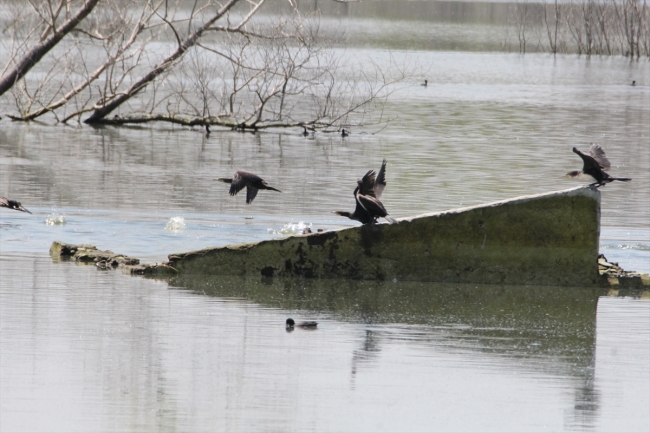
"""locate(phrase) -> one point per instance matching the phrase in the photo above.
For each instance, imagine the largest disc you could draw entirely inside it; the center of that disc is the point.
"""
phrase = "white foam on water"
(291, 229)
(176, 224)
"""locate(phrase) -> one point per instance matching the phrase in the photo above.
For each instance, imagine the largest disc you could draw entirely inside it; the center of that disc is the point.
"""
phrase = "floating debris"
(291, 229)
(176, 224)
(55, 219)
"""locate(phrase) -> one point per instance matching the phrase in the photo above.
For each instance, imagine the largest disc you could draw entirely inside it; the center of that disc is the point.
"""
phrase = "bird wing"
(360, 213)
(372, 205)
(589, 164)
(4, 202)
(598, 154)
(239, 181)
(251, 192)
(367, 184)
(380, 180)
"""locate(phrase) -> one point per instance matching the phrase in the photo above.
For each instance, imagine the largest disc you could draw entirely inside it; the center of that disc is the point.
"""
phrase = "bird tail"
(623, 179)
(391, 220)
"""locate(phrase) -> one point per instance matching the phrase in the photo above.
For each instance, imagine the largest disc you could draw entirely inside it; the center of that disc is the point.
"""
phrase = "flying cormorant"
(12, 204)
(252, 182)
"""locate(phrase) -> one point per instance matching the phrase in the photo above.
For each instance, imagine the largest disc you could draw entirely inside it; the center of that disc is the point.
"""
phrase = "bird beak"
(25, 210)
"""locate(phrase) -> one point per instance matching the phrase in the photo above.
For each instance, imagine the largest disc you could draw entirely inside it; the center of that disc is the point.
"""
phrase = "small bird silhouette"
(252, 182)
(12, 204)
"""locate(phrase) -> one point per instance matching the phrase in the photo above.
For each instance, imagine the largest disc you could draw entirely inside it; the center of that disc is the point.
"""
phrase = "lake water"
(87, 350)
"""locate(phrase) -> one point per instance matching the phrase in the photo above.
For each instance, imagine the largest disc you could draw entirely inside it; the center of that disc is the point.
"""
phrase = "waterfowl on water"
(426, 82)
(252, 182)
(12, 204)
(291, 324)
(633, 82)
(366, 197)
(305, 133)
(344, 133)
(595, 166)
(360, 213)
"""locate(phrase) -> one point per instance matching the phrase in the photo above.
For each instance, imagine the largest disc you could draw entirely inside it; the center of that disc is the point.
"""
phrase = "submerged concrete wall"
(549, 239)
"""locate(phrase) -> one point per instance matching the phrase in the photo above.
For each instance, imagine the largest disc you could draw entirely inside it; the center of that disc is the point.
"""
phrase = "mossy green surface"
(546, 239)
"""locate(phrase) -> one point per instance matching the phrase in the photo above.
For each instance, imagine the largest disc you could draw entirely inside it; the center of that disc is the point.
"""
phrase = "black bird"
(633, 82)
(366, 197)
(595, 166)
(425, 83)
(360, 213)
(12, 204)
(305, 133)
(252, 182)
(344, 133)
(291, 324)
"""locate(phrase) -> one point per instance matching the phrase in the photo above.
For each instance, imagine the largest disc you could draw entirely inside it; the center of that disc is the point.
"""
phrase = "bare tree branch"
(37, 52)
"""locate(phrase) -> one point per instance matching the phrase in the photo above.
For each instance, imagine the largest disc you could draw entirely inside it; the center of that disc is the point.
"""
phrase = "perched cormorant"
(12, 204)
(366, 197)
(426, 82)
(360, 213)
(291, 324)
(595, 166)
(252, 182)
(344, 133)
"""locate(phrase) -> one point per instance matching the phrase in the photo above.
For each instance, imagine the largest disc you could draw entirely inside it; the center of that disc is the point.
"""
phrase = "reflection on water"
(87, 350)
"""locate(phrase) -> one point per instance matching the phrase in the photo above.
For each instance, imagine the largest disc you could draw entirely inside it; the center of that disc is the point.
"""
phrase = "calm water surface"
(84, 350)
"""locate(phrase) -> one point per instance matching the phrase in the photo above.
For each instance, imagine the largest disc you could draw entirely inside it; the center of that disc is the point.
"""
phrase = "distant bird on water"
(12, 204)
(426, 83)
(360, 213)
(252, 182)
(344, 133)
(595, 166)
(292, 324)
(305, 133)
(633, 82)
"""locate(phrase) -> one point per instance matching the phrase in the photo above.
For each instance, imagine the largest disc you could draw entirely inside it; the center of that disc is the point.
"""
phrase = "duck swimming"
(426, 82)
(595, 166)
(252, 182)
(360, 213)
(12, 204)
(344, 133)
(291, 324)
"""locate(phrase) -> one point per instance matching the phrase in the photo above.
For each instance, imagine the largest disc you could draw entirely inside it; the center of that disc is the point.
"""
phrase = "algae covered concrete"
(544, 239)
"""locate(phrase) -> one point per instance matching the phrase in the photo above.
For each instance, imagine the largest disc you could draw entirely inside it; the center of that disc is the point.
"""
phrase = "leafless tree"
(552, 31)
(204, 63)
(50, 13)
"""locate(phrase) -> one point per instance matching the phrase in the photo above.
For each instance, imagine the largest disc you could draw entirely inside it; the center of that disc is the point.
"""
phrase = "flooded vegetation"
(95, 350)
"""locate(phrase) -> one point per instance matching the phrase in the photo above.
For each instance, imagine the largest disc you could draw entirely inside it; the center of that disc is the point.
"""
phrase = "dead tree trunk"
(36, 54)
(101, 112)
